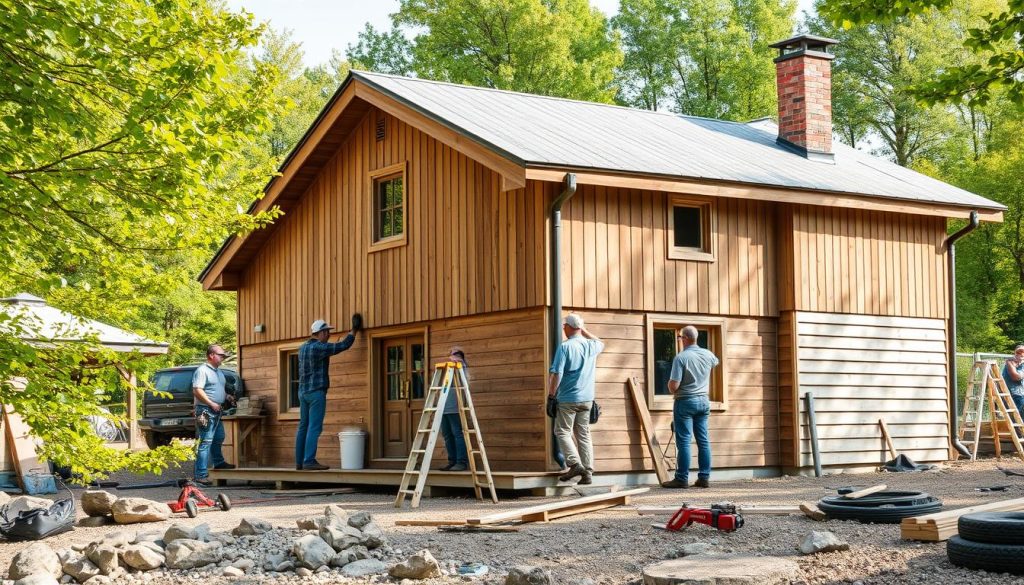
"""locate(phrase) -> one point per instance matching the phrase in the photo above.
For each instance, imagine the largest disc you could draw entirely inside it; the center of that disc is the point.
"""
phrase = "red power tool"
(191, 498)
(724, 517)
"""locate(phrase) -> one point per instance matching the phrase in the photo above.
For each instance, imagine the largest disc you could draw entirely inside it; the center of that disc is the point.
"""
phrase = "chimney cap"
(804, 45)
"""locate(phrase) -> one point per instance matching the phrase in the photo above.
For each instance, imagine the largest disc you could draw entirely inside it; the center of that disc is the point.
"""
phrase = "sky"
(323, 25)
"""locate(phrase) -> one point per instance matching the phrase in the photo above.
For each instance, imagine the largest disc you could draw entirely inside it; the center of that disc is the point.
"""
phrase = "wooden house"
(431, 209)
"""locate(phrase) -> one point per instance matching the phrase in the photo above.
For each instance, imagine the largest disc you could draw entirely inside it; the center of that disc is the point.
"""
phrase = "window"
(388, 208)
(663, 344)
(691, 229)
(288, 397)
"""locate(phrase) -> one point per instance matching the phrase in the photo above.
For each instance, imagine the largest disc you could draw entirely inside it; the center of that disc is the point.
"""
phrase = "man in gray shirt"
(210, 395)
(689, 382)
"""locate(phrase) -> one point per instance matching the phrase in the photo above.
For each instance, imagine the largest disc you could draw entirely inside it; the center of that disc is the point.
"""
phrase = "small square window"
(389, 199)
(288, 393)
(691, 229)
(663, 346)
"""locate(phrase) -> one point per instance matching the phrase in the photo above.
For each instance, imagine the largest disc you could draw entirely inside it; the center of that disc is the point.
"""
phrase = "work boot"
(702, 483)
(203, 481)
(447, 467)
(458, 467)
(575, 471)
(224, 466)
(675, 484)
(586, 479)
(314, 466)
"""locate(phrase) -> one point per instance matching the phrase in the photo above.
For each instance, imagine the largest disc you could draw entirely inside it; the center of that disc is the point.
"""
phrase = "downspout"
(954, 407)
(555, 332)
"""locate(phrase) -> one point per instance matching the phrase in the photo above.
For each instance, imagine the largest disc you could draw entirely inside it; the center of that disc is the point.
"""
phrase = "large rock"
(178, 531)
(311, 522)
(822, 541)
(134, 510)
(718, 569)
(141, 557)
(341, 536)
(373, 536)
(336, 514)
(359, 519)
(79, 567)
(103, 556)
(35, 559)
(363, 568)
(22, 503)
(526, 575)
(252, 526)
(37, 580)
(188, 554)
(312, 551)
(97, 502)
(421, 565)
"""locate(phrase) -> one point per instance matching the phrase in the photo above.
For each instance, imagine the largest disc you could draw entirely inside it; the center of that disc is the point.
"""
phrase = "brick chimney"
(804, 72)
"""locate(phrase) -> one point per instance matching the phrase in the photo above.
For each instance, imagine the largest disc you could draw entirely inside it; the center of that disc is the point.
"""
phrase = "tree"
(383, 52)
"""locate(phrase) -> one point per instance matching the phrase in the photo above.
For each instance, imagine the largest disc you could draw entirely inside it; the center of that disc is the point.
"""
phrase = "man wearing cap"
(209, 396)
(314, 366)
(571, 382)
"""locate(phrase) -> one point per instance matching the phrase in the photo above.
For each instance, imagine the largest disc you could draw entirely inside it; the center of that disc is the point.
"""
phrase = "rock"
(244, 564)
(336, 514)
(303, 572)
(141, 557)
(178, 531)
(694, 548)
(822, 541)
(252, 526)
(153, 546)
(359, 519)
(284, 566)
(310, 522)
(134, 510)
(363, 568)
(97, 502)
(232, 572)
(67, 579)
(421, 565)
(373, 536)
(341, 536)
(95, 521)
(104, 556)
(99, 580)
(526, 575)
(117, 539)
(37, 580)
(36, 559)
(714, 569)
(22, 503)
(186, 553)
(312, 551)
(79, 567)
(155, 536)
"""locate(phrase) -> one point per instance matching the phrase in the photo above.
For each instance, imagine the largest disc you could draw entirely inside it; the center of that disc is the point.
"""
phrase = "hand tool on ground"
(191, 498)
(723, 517)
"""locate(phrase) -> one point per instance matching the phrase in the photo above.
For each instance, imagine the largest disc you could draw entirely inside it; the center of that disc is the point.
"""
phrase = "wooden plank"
(647, 430)
(865, 492)
(888, 439)
(941, 526)
(430, 522)
(560, 509)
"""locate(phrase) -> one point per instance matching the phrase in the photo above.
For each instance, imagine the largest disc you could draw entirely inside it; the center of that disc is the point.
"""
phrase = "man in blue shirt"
(314, 378)
(689, 382)
(1013, 375)
(572, 378)
(209, 396)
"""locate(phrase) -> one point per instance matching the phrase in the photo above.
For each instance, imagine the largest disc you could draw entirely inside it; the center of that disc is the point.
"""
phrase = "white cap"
(573, 320)
(318, 326)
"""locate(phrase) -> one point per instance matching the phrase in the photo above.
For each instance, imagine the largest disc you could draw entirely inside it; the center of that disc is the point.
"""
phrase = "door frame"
(375, 342)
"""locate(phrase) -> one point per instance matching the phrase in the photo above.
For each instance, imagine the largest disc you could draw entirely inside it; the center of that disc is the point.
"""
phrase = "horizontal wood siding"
(863, 368)
(746, 435)
(615, 256)
(471, 247)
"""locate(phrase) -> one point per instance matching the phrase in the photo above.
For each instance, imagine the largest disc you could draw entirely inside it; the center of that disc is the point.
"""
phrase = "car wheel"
(995, 558)
(154, 440)
(992, 527)
(880, 508)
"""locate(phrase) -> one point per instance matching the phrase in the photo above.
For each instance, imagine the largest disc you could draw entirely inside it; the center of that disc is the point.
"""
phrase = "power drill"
(723, 517)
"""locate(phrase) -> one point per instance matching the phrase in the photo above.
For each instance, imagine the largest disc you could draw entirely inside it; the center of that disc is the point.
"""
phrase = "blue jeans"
(210, 441)
(312, 406)
(454, 440)
(1018, 399)
(690, 416)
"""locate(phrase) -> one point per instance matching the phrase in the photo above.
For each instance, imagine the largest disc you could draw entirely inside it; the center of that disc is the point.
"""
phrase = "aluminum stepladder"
(986, 384)
(448, 377)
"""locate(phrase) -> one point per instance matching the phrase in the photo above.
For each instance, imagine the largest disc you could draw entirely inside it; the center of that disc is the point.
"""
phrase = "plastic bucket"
(353, 445)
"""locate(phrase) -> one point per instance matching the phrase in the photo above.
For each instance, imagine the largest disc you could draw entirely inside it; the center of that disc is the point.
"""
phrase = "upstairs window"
(389, 204)
(691, 229)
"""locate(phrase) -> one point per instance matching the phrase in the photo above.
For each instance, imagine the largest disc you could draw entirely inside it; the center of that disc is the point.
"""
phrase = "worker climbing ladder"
(448, 377)
(986, 386)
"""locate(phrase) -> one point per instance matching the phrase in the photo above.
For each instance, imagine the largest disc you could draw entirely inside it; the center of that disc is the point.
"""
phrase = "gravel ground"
(612, 546)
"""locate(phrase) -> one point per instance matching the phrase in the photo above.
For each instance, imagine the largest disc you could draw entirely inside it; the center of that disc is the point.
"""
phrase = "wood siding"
(863, 368)
(745, 435)
(471, 247)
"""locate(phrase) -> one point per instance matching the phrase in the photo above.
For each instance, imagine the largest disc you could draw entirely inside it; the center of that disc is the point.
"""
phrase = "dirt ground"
(613, 546)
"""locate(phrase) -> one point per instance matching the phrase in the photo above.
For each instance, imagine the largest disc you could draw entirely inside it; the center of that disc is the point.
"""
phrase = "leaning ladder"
(986, 384)
(448, 376)
(970, 418)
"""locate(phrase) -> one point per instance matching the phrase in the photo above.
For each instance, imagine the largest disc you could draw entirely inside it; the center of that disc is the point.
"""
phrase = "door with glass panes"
(402, 370)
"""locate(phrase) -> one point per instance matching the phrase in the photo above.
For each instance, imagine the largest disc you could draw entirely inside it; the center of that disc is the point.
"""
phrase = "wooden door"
(402, 376)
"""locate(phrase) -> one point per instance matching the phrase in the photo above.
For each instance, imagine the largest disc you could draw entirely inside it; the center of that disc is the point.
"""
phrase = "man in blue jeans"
(209, 395)
(1013, 375)
(689, 382)
(314, 367)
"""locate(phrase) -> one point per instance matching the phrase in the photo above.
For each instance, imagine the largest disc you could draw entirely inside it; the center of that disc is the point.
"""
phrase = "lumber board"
(940, 526)
(430, 522)
(865, 492)
(647, 429)
(545, 512)
(888, 439)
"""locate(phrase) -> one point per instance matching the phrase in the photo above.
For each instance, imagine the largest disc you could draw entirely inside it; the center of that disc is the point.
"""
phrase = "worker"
(1013, 375)
(571, 383)
(689, 383)
(314, 378)
(209, 397)
(451, 422)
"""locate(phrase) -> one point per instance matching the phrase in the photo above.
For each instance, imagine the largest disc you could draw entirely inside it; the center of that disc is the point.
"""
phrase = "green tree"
(382, 51)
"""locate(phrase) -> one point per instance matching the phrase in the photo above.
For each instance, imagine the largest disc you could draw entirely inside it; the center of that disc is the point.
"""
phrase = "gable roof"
(530, 136)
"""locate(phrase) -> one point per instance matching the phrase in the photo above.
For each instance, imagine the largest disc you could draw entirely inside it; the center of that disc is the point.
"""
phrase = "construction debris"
(546, 512)
(865, 492)
(942, 525)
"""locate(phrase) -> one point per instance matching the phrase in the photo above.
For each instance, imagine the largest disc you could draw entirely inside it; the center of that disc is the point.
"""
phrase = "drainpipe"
(953, 385)
(556, 260)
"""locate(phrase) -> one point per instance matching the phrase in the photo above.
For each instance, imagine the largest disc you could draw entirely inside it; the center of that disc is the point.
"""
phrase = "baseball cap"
(575, 321)
(318, 326)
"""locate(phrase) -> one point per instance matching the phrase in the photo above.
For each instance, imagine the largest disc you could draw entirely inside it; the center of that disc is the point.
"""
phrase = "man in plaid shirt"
(314, 366)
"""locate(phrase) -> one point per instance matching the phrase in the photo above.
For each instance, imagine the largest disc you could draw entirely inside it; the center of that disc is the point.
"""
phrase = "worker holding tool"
(689, 383)
(1013, 375)
(314, 371)
(209, 395)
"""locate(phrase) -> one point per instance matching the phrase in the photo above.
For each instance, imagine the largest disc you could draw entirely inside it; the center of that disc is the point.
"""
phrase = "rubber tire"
(154, 440)
(995, 558)
(224, 501)
(191, 509)
(880, 508)
(993, 527)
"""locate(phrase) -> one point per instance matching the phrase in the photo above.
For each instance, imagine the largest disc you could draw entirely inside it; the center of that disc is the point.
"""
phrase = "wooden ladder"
(448, 376)
(970, 417)
(986, 383)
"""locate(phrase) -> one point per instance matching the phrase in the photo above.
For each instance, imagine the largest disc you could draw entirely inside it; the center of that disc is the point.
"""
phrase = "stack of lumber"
(942, 525)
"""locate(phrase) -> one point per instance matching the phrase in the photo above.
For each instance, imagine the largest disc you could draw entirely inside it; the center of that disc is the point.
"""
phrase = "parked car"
(166, 417)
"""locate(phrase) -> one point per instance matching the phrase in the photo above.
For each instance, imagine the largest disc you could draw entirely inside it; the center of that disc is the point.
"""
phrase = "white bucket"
(353, 445)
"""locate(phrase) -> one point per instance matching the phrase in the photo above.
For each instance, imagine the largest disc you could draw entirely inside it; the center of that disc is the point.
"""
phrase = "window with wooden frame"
(288, 390)
(691, 229)
(389, 201)
(664, 343)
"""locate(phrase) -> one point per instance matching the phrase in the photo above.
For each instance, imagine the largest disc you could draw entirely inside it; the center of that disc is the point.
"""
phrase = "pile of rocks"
(103, 507)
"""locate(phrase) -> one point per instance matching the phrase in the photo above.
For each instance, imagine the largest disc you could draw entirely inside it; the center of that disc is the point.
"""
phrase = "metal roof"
(541, 131)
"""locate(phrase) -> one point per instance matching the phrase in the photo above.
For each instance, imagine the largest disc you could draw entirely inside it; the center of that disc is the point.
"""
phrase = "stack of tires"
(888, 507)
(993, 541)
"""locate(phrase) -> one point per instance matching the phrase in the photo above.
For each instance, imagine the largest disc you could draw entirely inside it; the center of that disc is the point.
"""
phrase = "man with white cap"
(314, 366)
(572, 378)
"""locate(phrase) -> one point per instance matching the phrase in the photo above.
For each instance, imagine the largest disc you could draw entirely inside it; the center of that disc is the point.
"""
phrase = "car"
(166, 417)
